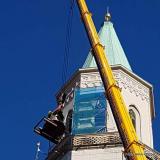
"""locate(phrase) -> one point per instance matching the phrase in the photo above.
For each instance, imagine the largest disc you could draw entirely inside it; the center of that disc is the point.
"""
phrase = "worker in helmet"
(57, 113)
(56, 117)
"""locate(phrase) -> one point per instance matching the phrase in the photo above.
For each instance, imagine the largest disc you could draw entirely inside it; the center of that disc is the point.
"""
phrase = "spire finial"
(108, 15)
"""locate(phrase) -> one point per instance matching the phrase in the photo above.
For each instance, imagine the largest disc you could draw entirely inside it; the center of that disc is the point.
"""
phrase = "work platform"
(52, 130)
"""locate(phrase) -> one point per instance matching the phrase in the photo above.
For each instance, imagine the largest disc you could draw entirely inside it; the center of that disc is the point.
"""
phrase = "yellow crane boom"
(133, 149)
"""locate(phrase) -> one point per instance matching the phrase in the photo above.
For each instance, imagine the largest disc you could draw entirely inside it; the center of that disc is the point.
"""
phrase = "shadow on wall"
(67, 156)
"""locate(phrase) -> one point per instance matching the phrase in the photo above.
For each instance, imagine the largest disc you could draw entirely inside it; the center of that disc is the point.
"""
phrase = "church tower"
(91, 132)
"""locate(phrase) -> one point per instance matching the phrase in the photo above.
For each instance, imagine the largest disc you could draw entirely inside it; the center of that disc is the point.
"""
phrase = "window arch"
(133, 117)
(136, 119)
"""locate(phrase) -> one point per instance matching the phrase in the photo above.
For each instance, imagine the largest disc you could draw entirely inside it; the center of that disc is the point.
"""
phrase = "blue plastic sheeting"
(89, 111)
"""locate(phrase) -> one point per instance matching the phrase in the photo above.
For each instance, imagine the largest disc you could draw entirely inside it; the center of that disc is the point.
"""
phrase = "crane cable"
(67, 42)
(66, 48)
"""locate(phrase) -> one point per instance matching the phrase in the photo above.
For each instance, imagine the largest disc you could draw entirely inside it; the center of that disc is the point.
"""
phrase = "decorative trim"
(71, 142)
(90, 80)
(109, 138)
(123, 80)
(127, 82)
(77, 142)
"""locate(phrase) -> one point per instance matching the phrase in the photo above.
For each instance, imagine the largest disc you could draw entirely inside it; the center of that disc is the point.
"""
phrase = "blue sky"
(32, 38)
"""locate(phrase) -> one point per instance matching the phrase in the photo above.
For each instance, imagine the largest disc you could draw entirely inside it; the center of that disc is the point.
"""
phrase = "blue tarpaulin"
(89, 111)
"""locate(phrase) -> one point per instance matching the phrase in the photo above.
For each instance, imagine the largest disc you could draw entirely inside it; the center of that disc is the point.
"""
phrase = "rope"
(67, 42)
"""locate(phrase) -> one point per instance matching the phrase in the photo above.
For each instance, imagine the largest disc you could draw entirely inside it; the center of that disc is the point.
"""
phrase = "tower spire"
(113, 48)
(108, 15)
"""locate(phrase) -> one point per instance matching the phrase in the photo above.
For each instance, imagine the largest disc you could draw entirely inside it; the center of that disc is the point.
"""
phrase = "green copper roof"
(113, 48)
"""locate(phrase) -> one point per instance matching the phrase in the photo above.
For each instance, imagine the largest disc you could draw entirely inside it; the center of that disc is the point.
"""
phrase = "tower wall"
(137, 94)
(95, 154)
(137, 97)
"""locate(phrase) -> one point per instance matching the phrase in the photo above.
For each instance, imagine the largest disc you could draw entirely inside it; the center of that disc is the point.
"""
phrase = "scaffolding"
(89, 111)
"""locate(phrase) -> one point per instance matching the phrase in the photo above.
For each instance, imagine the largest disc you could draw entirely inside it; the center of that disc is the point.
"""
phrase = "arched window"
(136, 119)
(133, 117)
(69, 122)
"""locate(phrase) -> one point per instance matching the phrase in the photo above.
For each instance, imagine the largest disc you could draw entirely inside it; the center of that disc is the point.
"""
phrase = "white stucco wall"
(143, 125)
(95, 154)
(138, 95)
